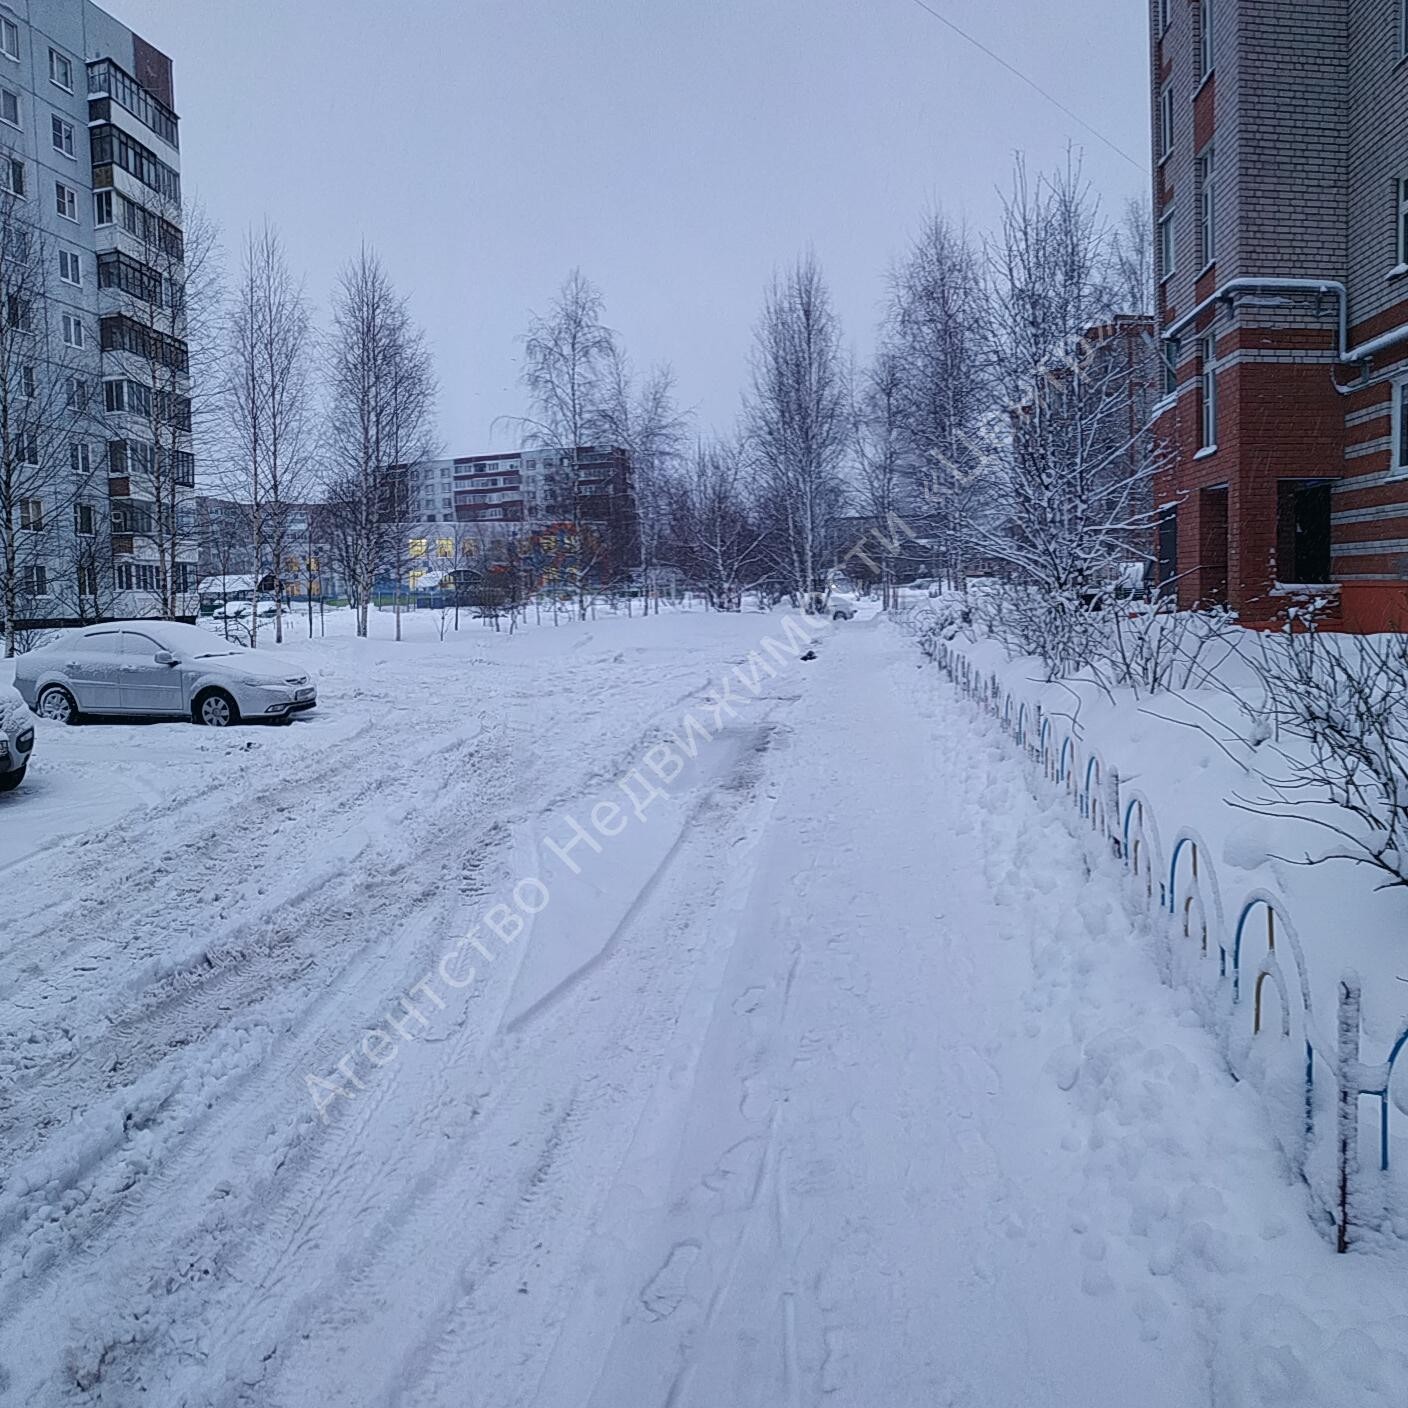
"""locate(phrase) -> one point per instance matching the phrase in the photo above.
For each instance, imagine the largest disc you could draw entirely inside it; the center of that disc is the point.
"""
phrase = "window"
(85, 520)
(78, 458)
(117, 270)
(1173, 350)
(127, 457)
(1303, 512)
(19, 314)
(72, 331)
(123, 334)
(12, 173)
(113, 147)
(62, 135)
(76, 393)
(70, 270)
(136, 576)
(102, 208)
(27, 447)
(1207, 206)
(10, 39)
(131, 396)
(1400, 427)
(1205, 51)
(87, 579)
(10, 107)
(1402, 225)
(1167, 249)
(34, 580)
(28, 389)
(106, 77)
(1207, 439)
(60, 71)
(66, 201)
(32, 514)
(1166, 122)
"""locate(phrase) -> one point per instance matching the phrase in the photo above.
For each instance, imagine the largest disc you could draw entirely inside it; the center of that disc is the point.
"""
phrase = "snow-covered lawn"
(840, 1074)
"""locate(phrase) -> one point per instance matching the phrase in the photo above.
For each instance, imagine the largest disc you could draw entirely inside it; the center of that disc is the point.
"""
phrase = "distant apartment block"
(1281, 217)
(523, 493)
(93, 336)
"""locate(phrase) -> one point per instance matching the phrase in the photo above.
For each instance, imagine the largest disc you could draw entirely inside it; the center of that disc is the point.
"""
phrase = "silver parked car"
(162, 668)
(16, 738)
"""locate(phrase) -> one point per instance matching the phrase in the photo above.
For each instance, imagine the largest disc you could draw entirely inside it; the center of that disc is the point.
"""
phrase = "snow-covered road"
(839, 1077)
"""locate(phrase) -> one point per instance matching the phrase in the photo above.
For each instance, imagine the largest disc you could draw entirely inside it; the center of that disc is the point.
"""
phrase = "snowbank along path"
(842, 1077)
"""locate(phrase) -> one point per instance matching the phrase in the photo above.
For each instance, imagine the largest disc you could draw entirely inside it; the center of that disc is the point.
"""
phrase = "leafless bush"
(1337, 755)
(1151, 647)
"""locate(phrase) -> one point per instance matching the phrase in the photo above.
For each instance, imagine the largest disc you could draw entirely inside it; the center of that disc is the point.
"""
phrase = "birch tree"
(1069, 471)
(645, 421)
(880, 440)
(934, 332)
(50, 502)
(169, 322)
(268, 397)
(714, 535)
(798, 423)
(568, 356)
(381, 389)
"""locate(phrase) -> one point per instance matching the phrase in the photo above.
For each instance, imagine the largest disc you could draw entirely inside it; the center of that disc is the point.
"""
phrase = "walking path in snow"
(847, 1079)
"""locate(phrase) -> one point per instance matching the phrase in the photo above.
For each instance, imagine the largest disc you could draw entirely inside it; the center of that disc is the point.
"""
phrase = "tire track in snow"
(211, 1253)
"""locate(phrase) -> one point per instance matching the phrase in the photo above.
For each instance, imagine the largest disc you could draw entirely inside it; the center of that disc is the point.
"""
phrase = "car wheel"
(839, 616)
(215, 709)
(57, 705)
(10, 780)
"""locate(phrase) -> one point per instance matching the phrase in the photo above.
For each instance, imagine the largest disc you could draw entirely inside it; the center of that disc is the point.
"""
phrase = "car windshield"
(192, 642)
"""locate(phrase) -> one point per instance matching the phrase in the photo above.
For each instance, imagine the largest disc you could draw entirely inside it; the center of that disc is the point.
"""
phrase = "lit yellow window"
(445, 547)
(417, 547)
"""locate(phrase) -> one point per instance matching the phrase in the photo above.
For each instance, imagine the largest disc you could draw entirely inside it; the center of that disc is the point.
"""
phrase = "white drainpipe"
(1347, 354)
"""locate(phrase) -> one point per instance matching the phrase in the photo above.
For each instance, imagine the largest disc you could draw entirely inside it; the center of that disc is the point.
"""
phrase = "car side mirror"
(165, 657)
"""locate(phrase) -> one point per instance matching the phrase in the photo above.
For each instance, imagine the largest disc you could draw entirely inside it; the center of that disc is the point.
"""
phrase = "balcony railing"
(107, 79)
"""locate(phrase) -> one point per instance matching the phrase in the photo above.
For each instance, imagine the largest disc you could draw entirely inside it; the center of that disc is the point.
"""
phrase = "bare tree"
(51, 512)
(645, 421)
(169, 321)
(934, 330)
(382, 394)
(880, 440)
(798, 421)
(568, 355)
(714, 536)
(269, 402)
(1068, 472)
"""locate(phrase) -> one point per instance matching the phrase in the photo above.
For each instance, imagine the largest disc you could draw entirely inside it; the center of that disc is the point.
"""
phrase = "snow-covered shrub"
(1338, 710)
(1151, 647)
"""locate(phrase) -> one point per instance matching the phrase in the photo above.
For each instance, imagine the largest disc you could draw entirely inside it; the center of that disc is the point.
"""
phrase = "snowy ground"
(842, 1076)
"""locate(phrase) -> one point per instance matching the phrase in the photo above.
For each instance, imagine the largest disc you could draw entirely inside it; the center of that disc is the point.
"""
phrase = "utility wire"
(1031, 83)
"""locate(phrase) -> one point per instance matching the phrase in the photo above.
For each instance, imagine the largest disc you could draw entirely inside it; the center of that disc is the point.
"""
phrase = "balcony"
(127, 275)
(114, 148)
(106, 80)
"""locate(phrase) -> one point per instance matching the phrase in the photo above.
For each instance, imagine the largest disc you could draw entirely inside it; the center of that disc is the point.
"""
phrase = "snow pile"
(1184, 1209)
(1260, 943)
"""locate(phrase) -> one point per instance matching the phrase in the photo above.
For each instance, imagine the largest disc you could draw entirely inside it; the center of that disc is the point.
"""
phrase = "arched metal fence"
(1246, 962)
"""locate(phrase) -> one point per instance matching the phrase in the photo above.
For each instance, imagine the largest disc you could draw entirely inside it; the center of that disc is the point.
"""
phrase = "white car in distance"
(163, 669)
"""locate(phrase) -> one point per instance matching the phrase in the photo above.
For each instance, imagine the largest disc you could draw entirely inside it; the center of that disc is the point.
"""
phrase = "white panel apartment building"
(98, 469)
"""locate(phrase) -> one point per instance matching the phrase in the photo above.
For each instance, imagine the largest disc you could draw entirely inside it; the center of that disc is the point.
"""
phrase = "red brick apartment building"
(1281, 219)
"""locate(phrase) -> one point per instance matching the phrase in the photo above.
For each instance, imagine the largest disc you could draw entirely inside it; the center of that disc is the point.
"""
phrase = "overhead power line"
(1030, 82)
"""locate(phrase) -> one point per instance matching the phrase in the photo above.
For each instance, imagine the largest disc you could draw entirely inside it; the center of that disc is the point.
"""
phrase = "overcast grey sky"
(678, 152)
